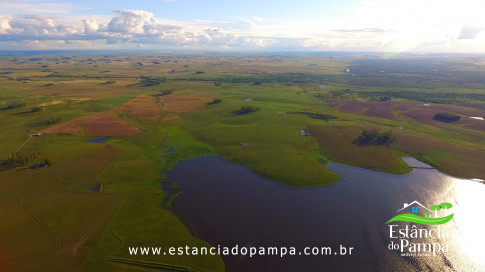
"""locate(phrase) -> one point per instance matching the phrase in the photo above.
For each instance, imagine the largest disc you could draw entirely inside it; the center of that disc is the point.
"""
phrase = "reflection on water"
(227, 204)
(468, 221)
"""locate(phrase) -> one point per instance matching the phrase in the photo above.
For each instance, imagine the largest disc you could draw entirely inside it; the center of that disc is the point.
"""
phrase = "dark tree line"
(20, 160)
(446, 117)
(164, 92)
(246, 110)
(215, 101)
(14, 160)
(320, 116)
(147, 81)
(15, 106)
(374, 137)
(36, 109)
(51, 121)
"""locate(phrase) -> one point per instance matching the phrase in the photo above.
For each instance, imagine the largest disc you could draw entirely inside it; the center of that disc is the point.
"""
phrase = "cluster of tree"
(381, 98)
(23, 79)
(14, 160)
(443, 206)
(36, 109)
(215, 101)
(326, 117)
(446, 117)
(165, 92)
(48, 84)
(45, 163)
(51, 121)
(246, 110)
(374, 137)
(147, 81)
(15, 106)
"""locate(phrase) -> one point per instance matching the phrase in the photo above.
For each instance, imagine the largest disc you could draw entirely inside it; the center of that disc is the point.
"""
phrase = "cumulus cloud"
(142, 29)
(131, 21)
(35, 27)
(138, 28)
(125, 26)
(469, 32)
(5, 24)
(90, 26)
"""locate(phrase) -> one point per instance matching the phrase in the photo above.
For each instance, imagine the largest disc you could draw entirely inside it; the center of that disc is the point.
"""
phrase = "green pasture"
(76, 229)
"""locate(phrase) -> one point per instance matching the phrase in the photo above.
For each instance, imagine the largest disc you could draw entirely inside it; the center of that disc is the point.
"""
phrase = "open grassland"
(336, 144)
(159, 109)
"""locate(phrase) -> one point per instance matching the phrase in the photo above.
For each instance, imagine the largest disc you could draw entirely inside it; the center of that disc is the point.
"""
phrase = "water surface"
(99, 140)
(227, 204)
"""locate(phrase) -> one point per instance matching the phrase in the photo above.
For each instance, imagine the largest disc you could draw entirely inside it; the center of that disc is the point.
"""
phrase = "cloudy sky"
(249, 25)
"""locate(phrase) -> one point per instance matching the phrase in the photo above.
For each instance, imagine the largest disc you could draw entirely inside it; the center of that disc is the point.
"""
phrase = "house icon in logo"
(411, 213)
(414, 207)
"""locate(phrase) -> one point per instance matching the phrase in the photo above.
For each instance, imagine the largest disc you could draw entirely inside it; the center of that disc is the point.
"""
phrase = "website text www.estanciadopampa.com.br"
(242, 251)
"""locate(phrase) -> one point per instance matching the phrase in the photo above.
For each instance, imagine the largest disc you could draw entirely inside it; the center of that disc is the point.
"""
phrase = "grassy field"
(72, 98)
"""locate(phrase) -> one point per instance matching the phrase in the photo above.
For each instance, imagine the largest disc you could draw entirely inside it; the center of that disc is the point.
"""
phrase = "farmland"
(159, 109)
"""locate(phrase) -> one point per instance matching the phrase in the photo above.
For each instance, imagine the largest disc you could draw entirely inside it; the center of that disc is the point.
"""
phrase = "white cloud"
(138, 28)
(5, 24)
(469, 32)
(90, 26)
(131, 21)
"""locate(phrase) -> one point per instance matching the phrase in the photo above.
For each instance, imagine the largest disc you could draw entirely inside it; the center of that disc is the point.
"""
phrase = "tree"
(446, 206)
(215, 101)
(36, 109)
(14, 160)
(446, 117)
(435, 208)
(52, 120)
(374, 137)
(428, 213)
(246, 109)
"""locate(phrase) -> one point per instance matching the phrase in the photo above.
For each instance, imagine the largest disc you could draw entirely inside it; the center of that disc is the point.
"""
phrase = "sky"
(252, 25)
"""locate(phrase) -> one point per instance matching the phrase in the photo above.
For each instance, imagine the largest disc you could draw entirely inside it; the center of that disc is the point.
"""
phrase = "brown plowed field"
(176, 103)
(382, 109)
(418, 111)
(146, 105)
(100, 124)
(142, 105)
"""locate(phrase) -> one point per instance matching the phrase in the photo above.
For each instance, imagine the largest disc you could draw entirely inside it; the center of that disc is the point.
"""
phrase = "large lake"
(227, 204)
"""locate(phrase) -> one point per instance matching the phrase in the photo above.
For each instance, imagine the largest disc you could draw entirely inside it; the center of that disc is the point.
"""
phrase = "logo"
(428, 219)
(414, 240)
